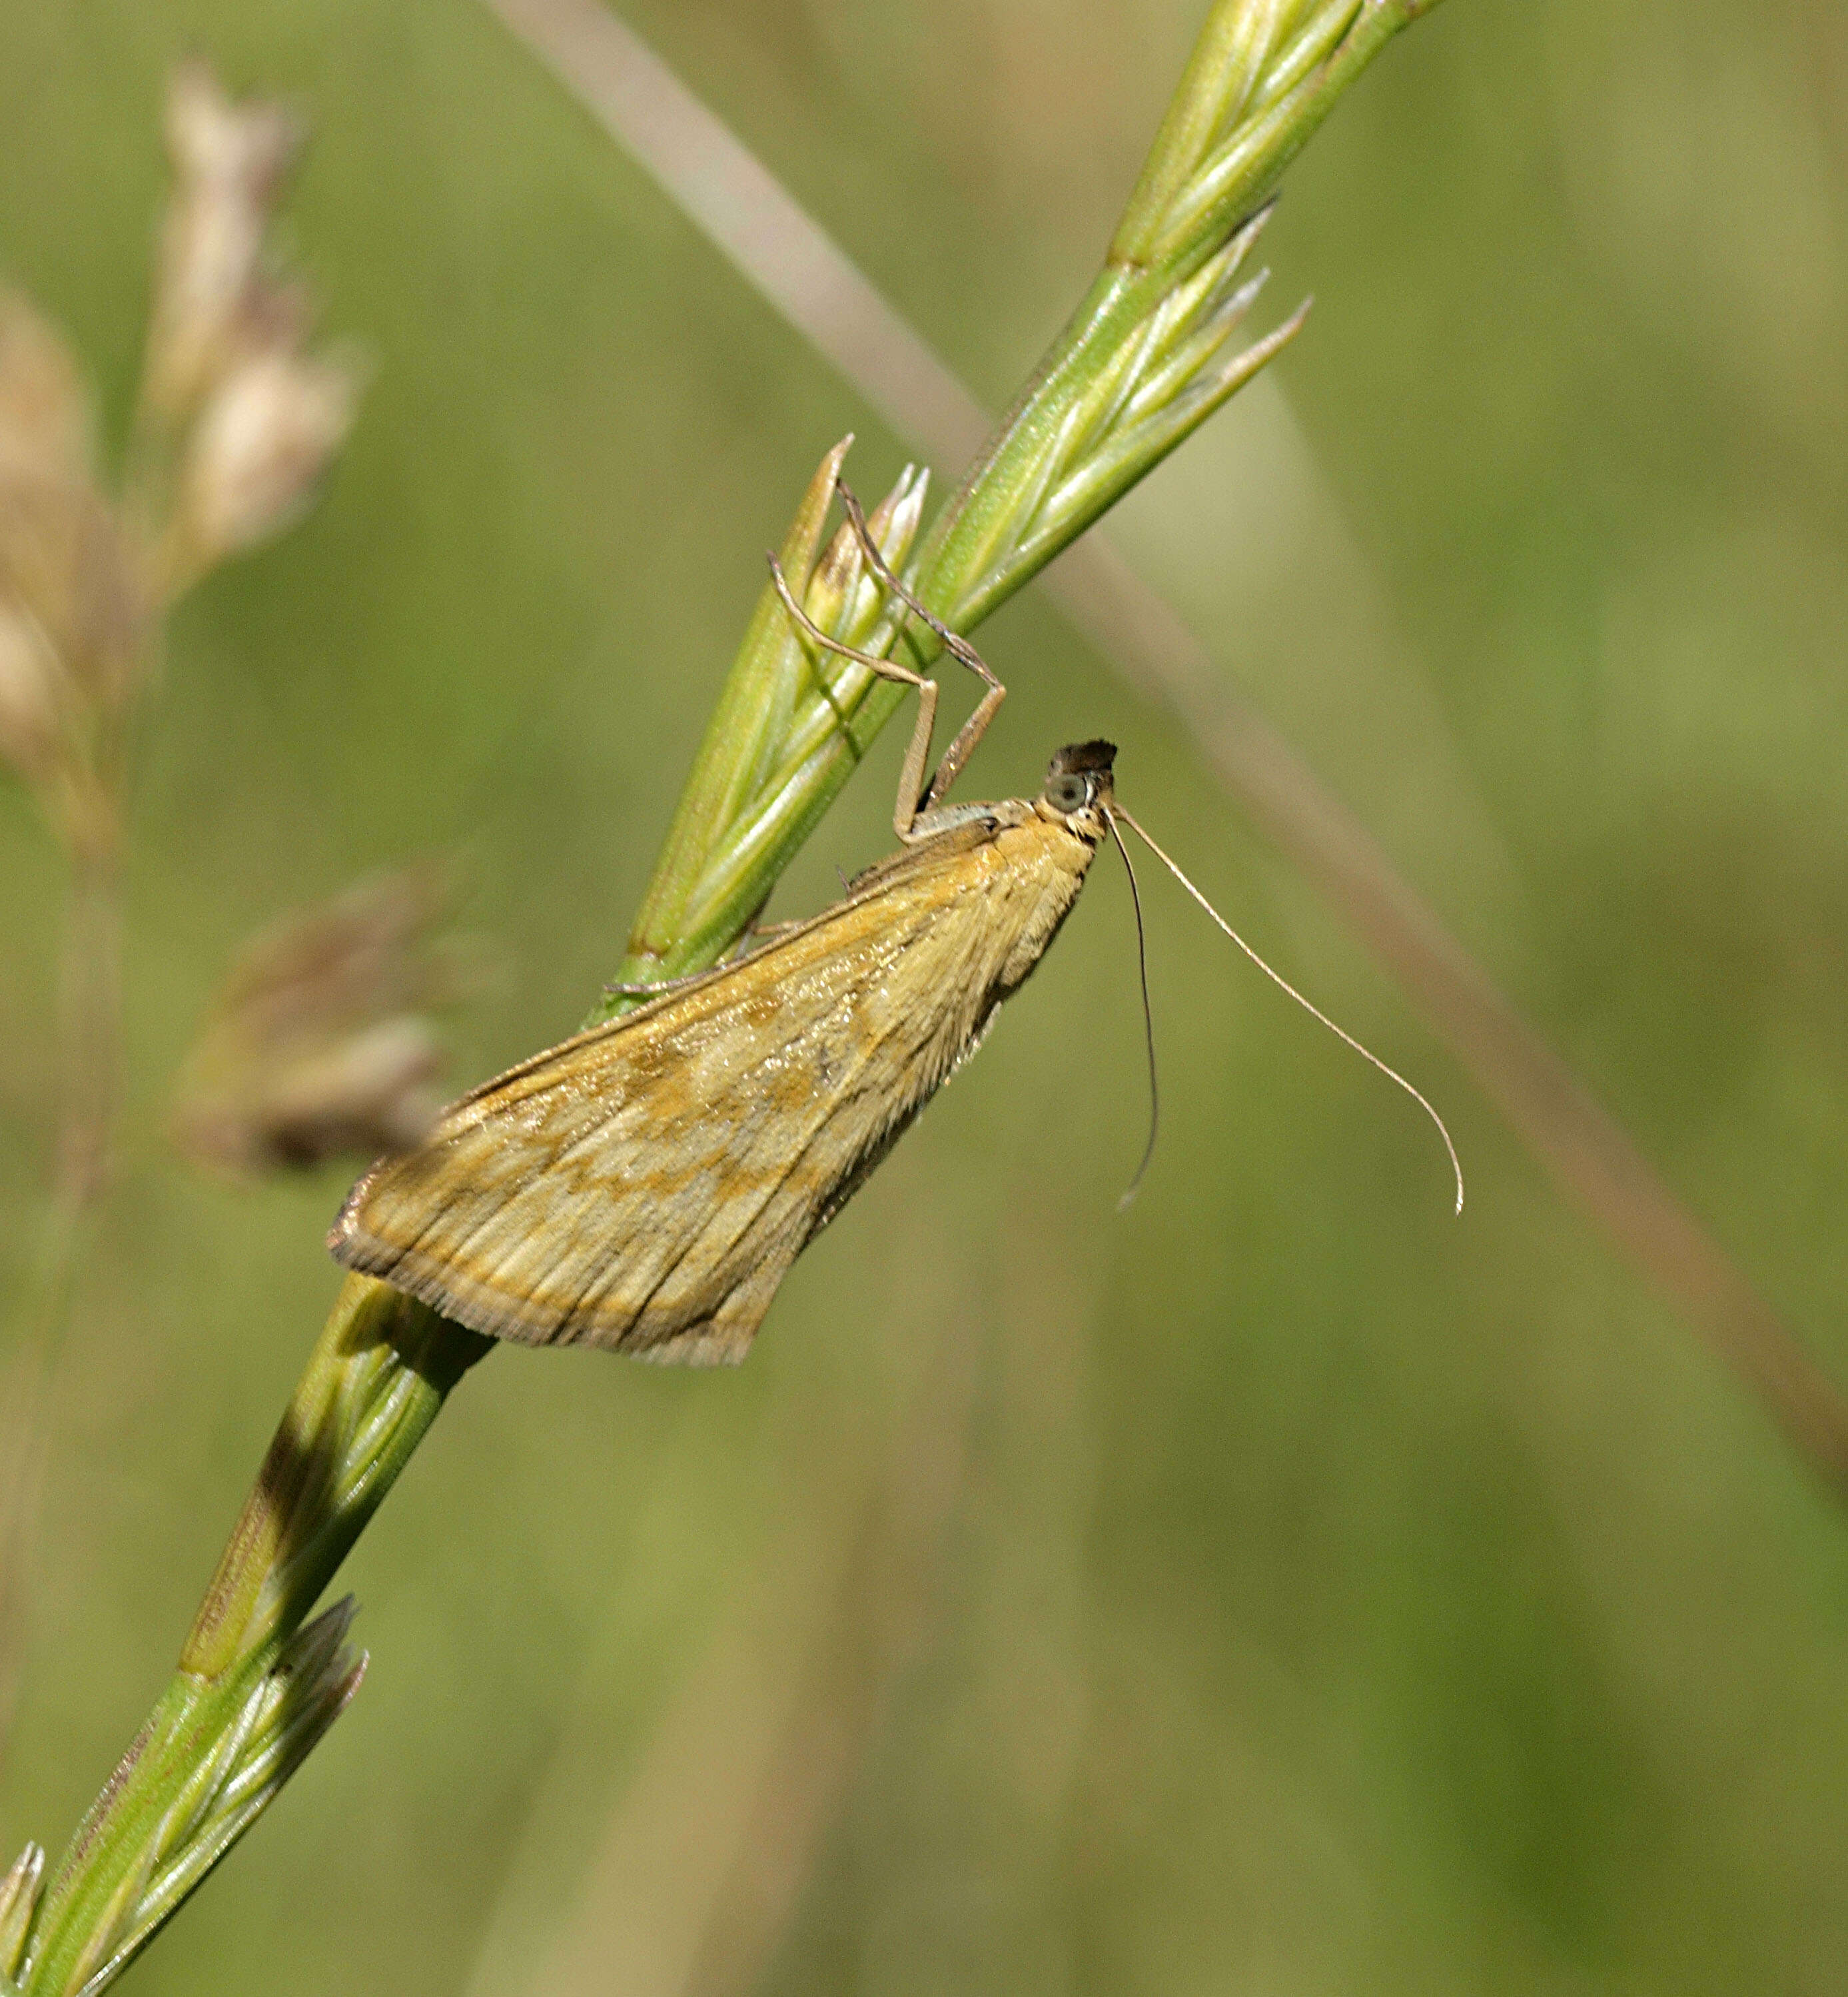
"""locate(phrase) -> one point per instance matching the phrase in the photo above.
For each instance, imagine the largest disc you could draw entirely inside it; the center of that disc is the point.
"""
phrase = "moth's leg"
(748, 936)
(760, 936)
(963, 747)
(911, 775)
(751, 940)
(653, 987)
(959, 648)
(762, 933)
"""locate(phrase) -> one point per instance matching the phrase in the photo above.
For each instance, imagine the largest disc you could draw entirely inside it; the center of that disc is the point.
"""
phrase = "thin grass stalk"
(88, 1068)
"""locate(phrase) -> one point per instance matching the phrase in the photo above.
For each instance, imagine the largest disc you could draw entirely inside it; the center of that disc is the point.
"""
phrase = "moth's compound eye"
(1066, 793)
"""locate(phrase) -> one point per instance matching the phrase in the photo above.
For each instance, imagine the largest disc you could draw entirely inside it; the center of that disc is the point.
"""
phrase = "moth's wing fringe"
(707, 1342)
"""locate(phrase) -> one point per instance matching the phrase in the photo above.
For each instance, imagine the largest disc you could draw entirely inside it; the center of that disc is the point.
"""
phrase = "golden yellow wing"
(647, 1184)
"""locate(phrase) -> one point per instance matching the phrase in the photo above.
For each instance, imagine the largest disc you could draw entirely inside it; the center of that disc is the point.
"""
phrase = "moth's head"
(1078, 788)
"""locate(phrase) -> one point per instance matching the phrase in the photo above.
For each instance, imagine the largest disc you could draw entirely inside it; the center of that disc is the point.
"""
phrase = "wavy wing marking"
(647, 1184)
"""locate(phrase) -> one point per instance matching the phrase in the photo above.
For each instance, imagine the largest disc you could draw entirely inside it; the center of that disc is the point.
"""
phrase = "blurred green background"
(1278, 1588)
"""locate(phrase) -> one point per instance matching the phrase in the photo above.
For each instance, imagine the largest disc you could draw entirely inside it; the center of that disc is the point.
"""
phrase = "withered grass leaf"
(213, 294)
(67, 573)
(46, 421)
(320, 1042)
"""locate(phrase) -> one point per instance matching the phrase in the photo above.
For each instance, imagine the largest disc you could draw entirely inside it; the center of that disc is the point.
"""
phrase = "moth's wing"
(647, 1185)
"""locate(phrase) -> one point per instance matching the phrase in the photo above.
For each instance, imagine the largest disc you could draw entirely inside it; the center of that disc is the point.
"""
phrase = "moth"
(644, 1186)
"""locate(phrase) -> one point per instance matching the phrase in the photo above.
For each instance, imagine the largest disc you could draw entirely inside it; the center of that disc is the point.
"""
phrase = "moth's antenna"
(1148, 1017)
(1391, 1074)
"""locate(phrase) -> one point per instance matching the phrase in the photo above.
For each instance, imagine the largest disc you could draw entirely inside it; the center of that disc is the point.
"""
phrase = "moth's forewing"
(647, 1184)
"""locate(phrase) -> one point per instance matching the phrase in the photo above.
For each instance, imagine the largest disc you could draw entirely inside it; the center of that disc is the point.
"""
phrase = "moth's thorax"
(1044, 859)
